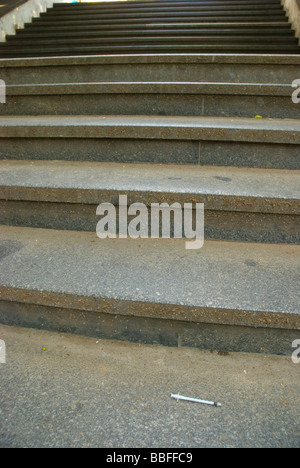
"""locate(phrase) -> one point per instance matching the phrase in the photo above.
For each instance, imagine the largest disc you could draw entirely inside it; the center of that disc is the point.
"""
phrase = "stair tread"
(263, 15)
(135, 3)
(253, 59)
(145, 87)
(263, 32)
(200, 39)
(140, 15)
(220, 188)
(32, 28)
(167, 48)
(235, 24)
(224, 282)
(102, 8)
(152, 127)
(162, 10)
(172, 20)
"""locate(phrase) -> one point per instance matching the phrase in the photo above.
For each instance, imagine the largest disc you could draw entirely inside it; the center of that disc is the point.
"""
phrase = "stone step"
(264, 10)
(280, 26)
(169, 3)
(265, 32)
(249, 205)
(163, 7)
(272, 143)
(19, 52)
(195, 13)
(157, 98)
(242, 294)
(169, 13)
(102, 50)
(153, 127)
(180, 19)
(194, 40)
(277, 69)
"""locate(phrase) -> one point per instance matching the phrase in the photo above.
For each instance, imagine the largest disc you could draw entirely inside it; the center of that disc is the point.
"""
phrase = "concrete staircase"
(79, 131)
(209, 26)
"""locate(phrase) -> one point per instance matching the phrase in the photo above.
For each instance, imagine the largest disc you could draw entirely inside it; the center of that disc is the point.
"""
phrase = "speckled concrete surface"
(240, 204)
(69, 391)
(158, 98)
(224, 188)
(152, 127)
(233, 68)
(229, 283)
(173, 88)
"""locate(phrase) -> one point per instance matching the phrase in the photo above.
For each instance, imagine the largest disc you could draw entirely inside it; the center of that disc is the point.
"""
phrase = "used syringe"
(195, 400)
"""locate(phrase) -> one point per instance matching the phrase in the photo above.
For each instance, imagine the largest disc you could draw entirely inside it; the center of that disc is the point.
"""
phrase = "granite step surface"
(152, 98)
(242, 296)
(264, 31)
(148, 6)
(152, 127)
(159, 39)
(265, 143)
(10, 52)
(274, 26)
(252, 205)
(221, 68)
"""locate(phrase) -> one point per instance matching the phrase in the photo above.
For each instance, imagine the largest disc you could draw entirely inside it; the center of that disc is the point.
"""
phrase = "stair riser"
(207, 23)
(125, 51)
(249, 155)
(219, 225)
(72, 51)
(227, 15)
(32, 29)
(101, 150)
(110, 70)
(134, 4)
(53, 13)
(152, 104)
(280, 34)
(153, 151)
(216, 39)
(173, 333)
(176, 12)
